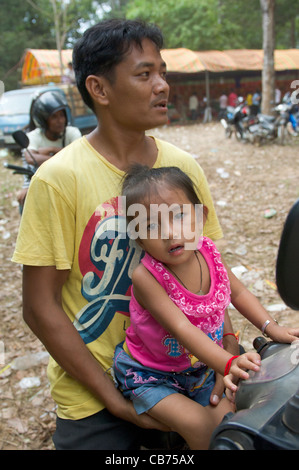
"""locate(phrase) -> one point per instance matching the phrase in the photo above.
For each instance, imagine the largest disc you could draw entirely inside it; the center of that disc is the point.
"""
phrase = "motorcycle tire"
(239, 136)
(281, 134)
(228, 132)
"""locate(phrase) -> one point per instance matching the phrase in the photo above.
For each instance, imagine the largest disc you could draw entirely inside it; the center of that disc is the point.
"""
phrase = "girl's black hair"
(141, 181)
(104, 45)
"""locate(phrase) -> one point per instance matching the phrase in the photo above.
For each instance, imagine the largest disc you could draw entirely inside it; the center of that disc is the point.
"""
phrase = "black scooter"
(239, 121)
(267, 404)
(255, 129)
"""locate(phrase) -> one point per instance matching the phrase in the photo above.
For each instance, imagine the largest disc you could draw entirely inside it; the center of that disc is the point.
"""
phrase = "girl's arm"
(250, 307)
(153, 298)
(231, 345)
(229, 341)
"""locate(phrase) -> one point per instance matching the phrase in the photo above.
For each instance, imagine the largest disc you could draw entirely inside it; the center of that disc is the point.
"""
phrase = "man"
(51, 129)
(222, 106)
(193, 106)
(232, 99)
(49, 133)
(77, 261)
(256, 103)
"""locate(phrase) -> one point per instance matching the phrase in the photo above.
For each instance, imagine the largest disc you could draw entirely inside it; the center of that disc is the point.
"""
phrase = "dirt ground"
(246, 182)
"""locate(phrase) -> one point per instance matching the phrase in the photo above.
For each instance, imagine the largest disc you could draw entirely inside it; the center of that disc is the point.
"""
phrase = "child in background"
(180, 292)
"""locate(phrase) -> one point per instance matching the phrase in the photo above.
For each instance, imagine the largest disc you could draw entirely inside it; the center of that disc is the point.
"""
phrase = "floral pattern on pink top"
(152, 345)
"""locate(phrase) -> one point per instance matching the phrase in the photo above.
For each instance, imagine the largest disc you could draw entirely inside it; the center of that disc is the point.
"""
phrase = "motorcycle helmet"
(44, 105)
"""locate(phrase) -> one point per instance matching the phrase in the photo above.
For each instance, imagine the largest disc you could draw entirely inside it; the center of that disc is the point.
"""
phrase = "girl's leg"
(192, 421)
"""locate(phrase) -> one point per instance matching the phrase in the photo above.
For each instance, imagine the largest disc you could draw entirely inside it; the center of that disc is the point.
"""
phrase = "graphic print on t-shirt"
(107, 258)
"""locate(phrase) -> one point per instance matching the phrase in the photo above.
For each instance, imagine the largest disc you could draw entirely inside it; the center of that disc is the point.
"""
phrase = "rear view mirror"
(287, 264)
(21, 138)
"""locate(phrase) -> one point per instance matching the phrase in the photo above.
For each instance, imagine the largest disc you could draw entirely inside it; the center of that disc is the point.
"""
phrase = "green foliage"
(20, 27)
(194, 24)
(202, 24)
(216, 24)
(30, 24)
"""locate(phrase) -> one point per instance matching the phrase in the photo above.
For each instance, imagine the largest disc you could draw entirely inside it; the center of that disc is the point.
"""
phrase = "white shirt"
(37, 138)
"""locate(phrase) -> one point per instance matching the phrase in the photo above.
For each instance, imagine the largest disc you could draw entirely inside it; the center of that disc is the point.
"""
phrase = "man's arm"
(43, 312)
(41, 155)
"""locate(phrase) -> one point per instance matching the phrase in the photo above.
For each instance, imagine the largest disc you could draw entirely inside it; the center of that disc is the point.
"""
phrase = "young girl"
(180, 292)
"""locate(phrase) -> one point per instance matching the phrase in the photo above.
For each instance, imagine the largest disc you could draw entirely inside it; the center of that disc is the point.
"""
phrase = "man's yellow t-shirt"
(72, 220)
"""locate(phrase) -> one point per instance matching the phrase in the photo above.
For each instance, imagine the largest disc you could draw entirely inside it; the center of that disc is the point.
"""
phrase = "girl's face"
(171, 226)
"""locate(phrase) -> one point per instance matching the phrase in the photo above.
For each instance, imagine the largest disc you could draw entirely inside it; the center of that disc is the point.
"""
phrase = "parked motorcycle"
(255, 129)
(267, 404)
(292, 113)
(273, 127)
(239, 122)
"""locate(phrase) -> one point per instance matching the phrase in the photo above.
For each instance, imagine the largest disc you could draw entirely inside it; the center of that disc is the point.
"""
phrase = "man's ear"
(139, 242)
(96, 87)
(205, 210)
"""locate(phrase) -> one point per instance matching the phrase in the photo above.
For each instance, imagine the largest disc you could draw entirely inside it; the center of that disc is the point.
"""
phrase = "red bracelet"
(228, 365)
(231, 334)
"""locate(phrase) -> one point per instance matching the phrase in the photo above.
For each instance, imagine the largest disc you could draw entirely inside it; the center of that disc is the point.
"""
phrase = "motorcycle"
(27, 170)
(267, 404)
(238, 120)
(255, 129)
(293, 119)
(273, 127)
(292, 110)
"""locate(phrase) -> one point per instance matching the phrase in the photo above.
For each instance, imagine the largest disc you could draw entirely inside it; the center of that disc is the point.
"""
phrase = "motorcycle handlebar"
(259, 343)
(19, 169)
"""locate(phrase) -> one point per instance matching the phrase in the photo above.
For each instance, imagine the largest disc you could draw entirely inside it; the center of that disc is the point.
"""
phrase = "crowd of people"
(197, 105)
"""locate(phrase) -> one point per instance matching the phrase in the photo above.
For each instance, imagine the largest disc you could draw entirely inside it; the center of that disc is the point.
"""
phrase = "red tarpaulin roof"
(180, 60)
(42, 66)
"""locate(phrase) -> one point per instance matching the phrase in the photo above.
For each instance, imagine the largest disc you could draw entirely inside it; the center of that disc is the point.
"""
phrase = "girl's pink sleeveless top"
(152, 345)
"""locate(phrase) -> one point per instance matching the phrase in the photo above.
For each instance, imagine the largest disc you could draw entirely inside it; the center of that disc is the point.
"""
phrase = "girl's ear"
(96, 87)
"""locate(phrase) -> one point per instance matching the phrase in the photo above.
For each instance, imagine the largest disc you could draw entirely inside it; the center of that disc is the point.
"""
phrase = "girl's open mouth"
(176, 248)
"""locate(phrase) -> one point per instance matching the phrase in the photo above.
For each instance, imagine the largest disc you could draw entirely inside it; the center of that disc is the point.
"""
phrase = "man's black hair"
(104, 45)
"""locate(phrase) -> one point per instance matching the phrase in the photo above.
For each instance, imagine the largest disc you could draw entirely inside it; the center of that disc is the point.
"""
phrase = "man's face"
(138, 96)
(56, 124)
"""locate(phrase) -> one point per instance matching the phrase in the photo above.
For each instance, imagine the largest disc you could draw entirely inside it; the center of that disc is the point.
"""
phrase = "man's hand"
(218, 390)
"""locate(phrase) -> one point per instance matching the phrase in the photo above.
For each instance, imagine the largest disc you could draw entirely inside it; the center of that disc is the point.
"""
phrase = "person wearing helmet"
(52, 133)
(49, 133)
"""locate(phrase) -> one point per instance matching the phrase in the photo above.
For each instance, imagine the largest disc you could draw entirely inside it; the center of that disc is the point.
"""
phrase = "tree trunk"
(293, 32)
(268, 74)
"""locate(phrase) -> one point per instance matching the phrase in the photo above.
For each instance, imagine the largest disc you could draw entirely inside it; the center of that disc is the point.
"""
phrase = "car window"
(17, 103)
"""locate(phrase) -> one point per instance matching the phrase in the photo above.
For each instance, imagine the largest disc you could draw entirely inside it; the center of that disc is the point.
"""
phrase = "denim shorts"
(146, 387)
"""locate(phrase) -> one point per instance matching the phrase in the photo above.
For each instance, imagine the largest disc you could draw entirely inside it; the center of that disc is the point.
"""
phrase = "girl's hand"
(218, 390)
(281, 334)
(238, 370)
